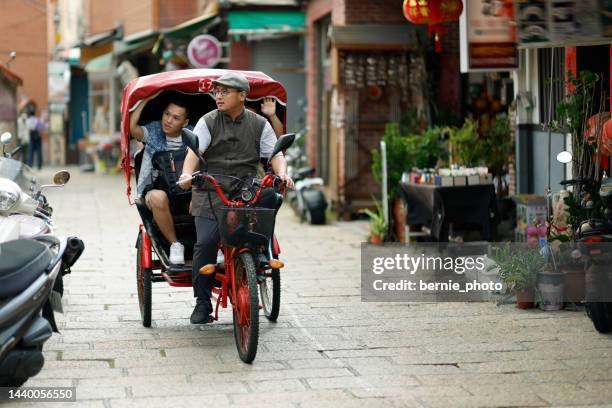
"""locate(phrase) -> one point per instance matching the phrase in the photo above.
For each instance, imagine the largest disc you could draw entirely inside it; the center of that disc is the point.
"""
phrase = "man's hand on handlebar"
(185, 181)
(287, 180)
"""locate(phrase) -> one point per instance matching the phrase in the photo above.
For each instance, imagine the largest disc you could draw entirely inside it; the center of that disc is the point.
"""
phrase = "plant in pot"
(570, 265)
(378, 226)
(462, 142)
(400, 158)
(518, 269)
(495, 149)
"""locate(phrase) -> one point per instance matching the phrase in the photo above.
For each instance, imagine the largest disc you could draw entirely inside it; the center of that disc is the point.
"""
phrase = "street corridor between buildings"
(327, 348)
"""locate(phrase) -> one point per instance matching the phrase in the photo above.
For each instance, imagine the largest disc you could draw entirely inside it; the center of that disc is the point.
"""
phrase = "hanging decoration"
(433, 13)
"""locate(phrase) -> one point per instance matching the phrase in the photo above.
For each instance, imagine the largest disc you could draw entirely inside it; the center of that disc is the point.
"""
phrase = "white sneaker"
(177, 253)
(220, 258)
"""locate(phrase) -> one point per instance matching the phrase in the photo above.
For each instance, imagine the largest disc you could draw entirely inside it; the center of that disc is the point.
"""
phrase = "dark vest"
(234, 151)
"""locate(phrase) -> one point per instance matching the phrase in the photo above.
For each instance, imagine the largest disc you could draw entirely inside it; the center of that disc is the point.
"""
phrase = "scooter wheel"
(315, 216)
(601, 315)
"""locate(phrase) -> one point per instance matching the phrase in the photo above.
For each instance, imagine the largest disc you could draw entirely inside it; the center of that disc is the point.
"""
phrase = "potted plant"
(570, 265)
(518, 269)
(378, 226)
(462, 142)
(495, 149)
(400, 158)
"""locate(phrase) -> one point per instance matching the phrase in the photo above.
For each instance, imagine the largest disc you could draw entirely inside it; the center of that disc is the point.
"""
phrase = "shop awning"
(374, 36)
(258, 22)
(100, 64)
(105, 61)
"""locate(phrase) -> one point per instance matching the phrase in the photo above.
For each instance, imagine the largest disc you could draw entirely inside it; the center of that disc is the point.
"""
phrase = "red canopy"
(192, 81)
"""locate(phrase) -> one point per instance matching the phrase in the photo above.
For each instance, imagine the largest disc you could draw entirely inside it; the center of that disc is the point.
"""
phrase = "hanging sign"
(204, 51)
(488, 36)
(559, 23)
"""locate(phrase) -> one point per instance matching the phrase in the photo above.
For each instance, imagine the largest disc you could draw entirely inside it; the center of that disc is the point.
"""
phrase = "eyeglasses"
(222, 92)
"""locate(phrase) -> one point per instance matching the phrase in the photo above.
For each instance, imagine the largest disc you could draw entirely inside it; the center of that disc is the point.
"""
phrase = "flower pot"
(376, 239)
(552, 287)
(574, 284)
(524, 298)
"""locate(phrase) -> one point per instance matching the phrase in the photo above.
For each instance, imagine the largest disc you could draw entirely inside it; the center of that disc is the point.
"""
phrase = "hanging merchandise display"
(375, 71)
(433, 13)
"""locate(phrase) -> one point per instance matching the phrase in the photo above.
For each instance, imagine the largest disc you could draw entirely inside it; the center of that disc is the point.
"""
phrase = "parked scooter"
(307, 199)
(24, 210)
(594, 237)
(32, 265)
(29, 269)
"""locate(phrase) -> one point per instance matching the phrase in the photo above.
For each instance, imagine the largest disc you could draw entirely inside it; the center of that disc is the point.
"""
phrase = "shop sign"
(488, 36)
(204, 51)
(59, 81)
(559, 23)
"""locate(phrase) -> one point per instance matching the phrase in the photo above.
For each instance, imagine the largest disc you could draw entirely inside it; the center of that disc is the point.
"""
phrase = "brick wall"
(371, 12)
(135, 15)
(317, 9)
(172, 13)
(240, 55)
(23, 28)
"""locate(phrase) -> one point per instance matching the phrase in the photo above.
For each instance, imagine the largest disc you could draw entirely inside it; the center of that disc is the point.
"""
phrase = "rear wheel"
(270, 292)
(246, 308)
(315, 216)
(143, 283)
(601, 315)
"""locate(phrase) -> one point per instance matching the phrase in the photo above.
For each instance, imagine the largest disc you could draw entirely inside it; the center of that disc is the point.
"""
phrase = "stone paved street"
(327, 346)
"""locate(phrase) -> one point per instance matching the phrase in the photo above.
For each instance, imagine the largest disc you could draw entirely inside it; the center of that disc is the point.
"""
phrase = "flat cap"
(234, 80)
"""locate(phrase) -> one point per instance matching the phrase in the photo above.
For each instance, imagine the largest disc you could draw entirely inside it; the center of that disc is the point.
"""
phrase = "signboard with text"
(204, 51)
(559, 23)
(488, 36)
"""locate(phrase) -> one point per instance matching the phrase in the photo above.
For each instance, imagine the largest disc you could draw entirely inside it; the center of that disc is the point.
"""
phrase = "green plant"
(463, 141)
(496, 147)
(378, 226)
(518, 266)
(400, 158)
(430, 147)
(573, 113)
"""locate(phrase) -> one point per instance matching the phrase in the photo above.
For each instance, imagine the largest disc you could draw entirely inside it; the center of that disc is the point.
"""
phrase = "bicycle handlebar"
(269, 180)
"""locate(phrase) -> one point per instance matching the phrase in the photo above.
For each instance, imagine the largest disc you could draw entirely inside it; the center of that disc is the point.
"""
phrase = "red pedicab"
(248, 242)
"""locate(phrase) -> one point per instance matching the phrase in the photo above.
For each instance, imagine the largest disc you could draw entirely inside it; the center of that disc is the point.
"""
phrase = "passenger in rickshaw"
(268, 110)
(160, 136)
(232, 140)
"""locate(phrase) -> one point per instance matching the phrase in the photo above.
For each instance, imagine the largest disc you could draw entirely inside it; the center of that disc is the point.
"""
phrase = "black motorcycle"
(31, 288)
(594, 237)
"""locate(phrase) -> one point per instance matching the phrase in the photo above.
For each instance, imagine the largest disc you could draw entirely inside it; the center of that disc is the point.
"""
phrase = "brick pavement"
(326, 348)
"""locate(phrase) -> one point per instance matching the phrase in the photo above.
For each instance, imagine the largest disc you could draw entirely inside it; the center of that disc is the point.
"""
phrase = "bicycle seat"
(21, 262)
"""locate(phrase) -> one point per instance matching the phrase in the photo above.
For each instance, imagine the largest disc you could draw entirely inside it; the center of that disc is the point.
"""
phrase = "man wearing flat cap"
(232, 139)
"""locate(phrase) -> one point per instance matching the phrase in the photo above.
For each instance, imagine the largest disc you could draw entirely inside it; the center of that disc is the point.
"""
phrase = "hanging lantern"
(433, 13)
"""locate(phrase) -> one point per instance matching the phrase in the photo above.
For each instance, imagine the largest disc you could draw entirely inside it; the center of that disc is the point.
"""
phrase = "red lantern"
(433, 13)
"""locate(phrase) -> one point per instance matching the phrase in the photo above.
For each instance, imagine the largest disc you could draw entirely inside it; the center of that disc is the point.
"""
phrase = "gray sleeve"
(267, 142)
(201, 129)
(145, 135)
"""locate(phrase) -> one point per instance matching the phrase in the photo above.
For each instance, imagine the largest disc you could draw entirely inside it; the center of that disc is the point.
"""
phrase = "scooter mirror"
(61, 177)
(283, 143)
(191, 140)
(6, 138)
(564, 157)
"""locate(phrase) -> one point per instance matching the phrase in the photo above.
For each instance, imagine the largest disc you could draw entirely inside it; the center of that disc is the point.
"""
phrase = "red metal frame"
(145, 253)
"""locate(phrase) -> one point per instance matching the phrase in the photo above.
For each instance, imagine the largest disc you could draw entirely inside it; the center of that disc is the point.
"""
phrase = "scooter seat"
(21, 262)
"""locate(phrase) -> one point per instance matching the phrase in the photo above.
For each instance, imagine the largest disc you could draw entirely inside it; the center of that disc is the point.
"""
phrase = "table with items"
(438, 207)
